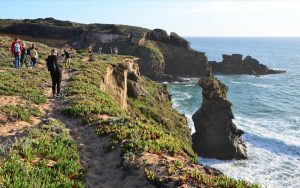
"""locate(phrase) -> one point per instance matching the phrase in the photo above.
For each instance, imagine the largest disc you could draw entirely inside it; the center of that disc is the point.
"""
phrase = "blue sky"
(186, 17)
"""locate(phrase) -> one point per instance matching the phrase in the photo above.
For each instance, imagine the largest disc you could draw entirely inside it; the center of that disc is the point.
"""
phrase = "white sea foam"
(265, 107)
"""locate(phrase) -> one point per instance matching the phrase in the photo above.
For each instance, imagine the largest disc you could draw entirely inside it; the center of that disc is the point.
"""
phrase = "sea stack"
(216, 135)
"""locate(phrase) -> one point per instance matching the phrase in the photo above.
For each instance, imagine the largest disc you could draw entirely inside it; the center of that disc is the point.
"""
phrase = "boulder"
(216, 135)
(134, 90)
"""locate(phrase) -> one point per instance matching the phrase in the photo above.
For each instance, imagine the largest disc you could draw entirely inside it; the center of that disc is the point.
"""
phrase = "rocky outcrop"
(216, 135)
(79, 36)
(183, 62)
(122, 81)
(235, 64)
(162, 36)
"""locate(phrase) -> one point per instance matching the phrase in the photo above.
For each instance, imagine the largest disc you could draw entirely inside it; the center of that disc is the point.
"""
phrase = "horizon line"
(242, 36)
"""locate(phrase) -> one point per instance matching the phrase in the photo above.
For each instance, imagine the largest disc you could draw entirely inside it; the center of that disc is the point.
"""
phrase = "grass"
(29, 84)
(139, 137)
(162, 115)
(46, 158)
(19, 112)
(87, 97)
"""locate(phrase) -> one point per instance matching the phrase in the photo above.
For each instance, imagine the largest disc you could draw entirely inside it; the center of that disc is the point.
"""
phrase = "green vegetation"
(46, 158)
(140, 137)
(163, 115)
(19, 112)
(29, 84)
(150, 175)
(87, 97)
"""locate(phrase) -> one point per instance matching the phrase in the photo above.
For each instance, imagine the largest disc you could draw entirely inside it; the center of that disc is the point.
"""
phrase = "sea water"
(267, 108)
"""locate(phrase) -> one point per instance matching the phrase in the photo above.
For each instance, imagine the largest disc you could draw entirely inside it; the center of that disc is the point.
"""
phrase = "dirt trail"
(103, 170)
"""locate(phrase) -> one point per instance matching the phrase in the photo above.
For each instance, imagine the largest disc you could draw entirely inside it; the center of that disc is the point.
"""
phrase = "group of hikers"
(22, 54)
(114, 50)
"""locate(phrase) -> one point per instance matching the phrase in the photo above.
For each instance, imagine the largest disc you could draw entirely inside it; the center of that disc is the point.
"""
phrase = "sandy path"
(103, 170)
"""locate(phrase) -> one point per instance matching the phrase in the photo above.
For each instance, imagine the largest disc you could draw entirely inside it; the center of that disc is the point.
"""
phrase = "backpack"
(17, 48)
(52, 64)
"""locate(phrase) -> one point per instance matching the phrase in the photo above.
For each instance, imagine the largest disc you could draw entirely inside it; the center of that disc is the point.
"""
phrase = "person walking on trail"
(116, 50)
(24, 60)
(67, 59)
(55, 70)
(34, 56)
(16, 49)
(90, 49)
(100, 50)
(111, 50)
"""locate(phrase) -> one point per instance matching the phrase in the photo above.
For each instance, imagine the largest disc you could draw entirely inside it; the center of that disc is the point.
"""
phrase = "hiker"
(111, 50)
(116, 51)
(67, 59)
(24, 52)
(33, 55)
(16, 49)
(90, 49)
(55, 71)
(100, 50)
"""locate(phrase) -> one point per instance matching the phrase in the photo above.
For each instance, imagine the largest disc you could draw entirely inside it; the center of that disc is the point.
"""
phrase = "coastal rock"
(179, 41)
(157, 35)
(216, 135)
(235, 64)
(122, 81)
(134, 90)
(162, 36)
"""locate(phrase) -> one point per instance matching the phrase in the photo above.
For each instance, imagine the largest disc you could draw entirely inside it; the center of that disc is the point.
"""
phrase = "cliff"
(113, 127)
(216, 135)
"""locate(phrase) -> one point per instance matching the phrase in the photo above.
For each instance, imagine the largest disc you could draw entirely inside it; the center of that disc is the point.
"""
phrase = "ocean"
(267, 108)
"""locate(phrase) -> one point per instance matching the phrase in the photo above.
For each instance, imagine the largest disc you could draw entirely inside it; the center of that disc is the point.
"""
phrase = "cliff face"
(79, 36)
(121, 81)
(216, 135)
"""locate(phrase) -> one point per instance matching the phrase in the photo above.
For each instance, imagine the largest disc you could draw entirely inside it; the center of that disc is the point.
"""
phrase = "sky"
(231, 18)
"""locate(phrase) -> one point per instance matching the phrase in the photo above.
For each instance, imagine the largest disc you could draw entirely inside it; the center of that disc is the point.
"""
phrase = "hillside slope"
(127, 132)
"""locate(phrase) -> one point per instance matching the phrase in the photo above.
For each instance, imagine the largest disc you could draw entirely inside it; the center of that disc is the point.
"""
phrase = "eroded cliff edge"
(216, 135)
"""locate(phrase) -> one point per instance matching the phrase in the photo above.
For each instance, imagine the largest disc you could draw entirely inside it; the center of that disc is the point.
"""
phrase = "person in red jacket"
(16, 49)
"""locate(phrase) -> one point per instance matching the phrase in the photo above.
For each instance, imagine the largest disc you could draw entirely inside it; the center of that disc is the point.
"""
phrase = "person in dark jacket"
(67, 59)
(55, 70)
(24, 60)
